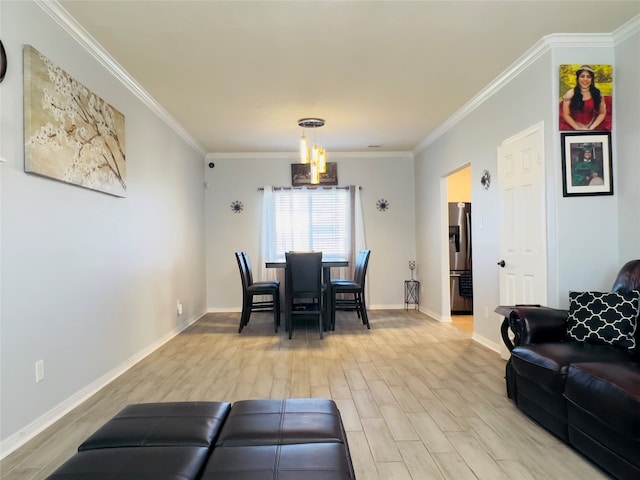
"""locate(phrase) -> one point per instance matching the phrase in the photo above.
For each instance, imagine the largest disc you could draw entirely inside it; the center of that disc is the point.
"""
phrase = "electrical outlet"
(179, 307)
(39, 371)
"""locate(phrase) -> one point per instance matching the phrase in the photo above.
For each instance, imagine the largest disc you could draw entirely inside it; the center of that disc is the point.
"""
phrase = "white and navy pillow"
(604, 318)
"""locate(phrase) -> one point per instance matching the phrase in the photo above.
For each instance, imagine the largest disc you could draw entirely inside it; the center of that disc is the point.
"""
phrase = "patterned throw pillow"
(604, 318)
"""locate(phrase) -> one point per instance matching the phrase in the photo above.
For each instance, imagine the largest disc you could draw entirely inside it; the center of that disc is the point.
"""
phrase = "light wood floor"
(420, 400)
(463, 322)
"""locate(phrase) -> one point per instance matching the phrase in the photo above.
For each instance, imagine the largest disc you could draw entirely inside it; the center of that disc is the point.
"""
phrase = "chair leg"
(363, 307)
(322, 311)
(332, 310)
(247, 311)
(276, 310)
(243, 316)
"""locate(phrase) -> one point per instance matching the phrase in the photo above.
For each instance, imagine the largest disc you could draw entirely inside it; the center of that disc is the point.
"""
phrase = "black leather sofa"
(252, 439)
(567, 378)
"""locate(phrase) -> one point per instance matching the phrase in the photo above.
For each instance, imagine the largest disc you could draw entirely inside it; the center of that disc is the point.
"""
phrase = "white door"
(523, 229)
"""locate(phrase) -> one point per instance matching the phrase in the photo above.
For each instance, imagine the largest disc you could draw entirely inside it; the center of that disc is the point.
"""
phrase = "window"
(316, 219)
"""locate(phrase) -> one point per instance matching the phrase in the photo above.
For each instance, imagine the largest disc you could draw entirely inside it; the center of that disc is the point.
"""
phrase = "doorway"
(460, 281)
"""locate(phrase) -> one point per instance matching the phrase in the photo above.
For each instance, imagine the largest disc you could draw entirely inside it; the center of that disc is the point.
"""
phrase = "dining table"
(327, 265)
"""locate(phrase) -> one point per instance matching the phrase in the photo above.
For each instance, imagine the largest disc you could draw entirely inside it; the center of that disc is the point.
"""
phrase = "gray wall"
(587, 241)
(627, 130)
(389, 234)
(89, 281)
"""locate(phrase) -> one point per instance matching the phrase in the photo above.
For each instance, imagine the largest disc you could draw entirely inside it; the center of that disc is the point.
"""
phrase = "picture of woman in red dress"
(584, 107)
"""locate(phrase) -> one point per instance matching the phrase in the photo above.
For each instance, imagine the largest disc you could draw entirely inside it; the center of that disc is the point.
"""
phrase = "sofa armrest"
(532, 324)
(543, 325)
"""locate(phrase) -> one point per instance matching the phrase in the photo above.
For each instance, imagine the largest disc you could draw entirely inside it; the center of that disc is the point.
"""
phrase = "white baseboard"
(486, 342)
(369, 307)
(15, 441)
(435, 316)
(385, 307)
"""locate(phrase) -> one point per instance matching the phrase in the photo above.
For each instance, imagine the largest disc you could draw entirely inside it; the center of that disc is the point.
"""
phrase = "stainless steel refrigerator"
(460, 271)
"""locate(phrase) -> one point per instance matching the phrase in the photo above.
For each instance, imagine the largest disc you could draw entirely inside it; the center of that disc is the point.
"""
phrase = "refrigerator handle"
(468, 239)
(454, 236)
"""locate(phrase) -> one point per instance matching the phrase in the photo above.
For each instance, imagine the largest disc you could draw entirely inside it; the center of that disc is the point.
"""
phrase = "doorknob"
(501, 263)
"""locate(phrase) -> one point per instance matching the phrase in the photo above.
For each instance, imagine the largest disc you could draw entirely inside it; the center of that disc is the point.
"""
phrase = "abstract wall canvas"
(71, 134)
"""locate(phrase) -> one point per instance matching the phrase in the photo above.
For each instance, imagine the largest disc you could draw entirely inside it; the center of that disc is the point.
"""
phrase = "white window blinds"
(313, 220)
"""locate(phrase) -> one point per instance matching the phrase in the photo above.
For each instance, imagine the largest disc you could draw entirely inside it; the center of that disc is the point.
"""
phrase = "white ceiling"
(237, 75)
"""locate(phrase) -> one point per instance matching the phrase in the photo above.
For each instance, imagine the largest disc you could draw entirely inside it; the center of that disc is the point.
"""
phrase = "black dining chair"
(251, 289)
(304, 292)
(352, 290)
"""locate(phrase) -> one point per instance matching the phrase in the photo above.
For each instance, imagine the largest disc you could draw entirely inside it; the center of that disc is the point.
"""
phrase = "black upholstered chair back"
(251, 289)
(349, 294)
(242, 266)
(247, 264)
(362, 262)
(304, 274)
(628, 278)
(303, 282)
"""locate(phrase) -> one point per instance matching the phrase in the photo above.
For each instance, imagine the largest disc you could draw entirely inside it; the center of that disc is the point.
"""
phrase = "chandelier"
(316, 157)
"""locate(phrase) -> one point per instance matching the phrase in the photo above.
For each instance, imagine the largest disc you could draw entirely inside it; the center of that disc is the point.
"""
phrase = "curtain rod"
(261, 189)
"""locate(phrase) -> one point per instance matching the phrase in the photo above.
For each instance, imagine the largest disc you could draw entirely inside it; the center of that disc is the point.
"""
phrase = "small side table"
(411, 294)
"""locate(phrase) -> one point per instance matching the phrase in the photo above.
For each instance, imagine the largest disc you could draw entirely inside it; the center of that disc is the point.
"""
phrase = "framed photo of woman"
(586, 97)
(587, 167)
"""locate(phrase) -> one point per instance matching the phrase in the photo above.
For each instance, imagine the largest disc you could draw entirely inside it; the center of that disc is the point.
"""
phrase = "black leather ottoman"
(154, 441)
(603, 406)
(282, 422)
(253, 439)
(134, 463)
(160, 425)
(282, 439)
(305, 461)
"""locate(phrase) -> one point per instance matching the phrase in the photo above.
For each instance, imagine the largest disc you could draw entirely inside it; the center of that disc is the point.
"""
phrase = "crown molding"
(627, 30)
(331, 156)
(576, 40)
(516, 67)
(73, 28)
(80, 35)
(599, 40)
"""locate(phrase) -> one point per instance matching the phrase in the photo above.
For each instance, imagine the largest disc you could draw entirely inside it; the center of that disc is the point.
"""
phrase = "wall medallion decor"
(382, 205)
(70, 134)
(485, 180)
(236, 206)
